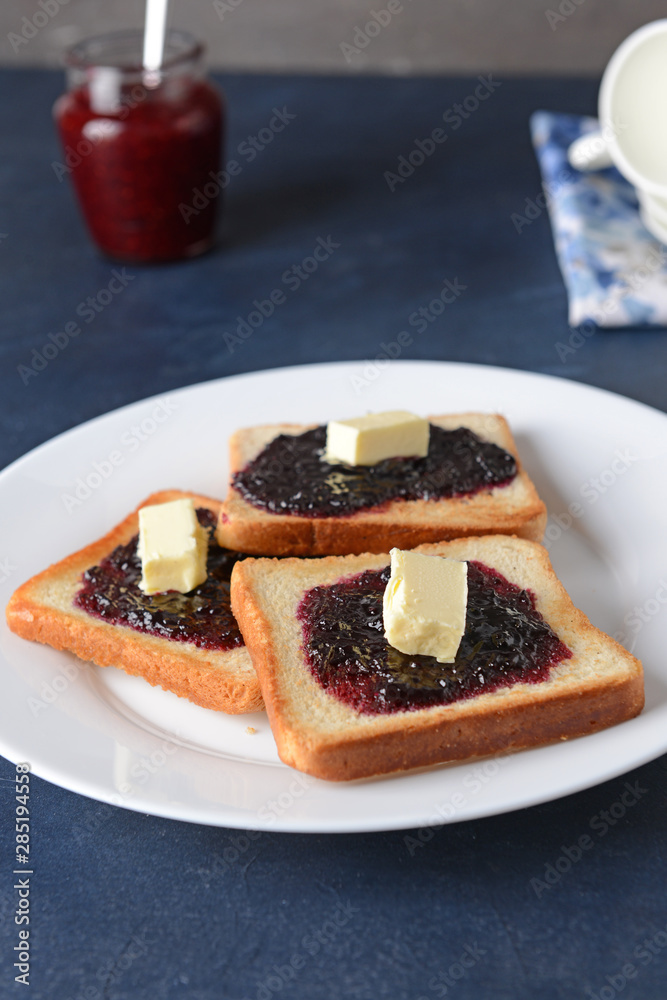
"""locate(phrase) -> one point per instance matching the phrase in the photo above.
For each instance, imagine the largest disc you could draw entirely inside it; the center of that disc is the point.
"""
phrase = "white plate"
(116, 739)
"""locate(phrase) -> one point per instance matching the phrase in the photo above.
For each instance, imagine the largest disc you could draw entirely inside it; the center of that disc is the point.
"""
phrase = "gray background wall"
(426, 36)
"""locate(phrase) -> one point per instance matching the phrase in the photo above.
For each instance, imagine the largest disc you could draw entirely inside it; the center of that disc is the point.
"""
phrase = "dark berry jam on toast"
(506, 641)
(290, 476)
(203, 617)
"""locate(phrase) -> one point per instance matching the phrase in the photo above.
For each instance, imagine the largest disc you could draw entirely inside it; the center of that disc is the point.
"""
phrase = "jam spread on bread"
(290, 476)
(506, 641)
(203, 616)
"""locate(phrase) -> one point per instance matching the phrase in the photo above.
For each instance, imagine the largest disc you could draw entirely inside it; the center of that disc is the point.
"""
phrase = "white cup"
(632, 109)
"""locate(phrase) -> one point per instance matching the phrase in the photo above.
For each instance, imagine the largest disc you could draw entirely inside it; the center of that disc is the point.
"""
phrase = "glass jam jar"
(143, 148)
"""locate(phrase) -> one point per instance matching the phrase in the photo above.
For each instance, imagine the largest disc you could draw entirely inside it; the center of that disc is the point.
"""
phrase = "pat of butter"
(375, 437)
(173, 547)
(425, 604)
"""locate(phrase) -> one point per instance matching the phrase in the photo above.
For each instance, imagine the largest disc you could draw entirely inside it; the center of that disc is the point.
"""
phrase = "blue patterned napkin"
(615, 272)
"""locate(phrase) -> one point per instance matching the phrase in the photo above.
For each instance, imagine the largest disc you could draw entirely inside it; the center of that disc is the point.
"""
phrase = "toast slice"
(511, 509)
(42, 609)
(600, 685)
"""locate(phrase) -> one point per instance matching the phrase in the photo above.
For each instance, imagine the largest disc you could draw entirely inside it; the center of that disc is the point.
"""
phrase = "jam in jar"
(142, 147)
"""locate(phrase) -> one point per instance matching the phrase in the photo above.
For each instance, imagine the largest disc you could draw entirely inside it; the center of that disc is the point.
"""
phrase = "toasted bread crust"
(42, 610)
(601, 685)
(515, 509)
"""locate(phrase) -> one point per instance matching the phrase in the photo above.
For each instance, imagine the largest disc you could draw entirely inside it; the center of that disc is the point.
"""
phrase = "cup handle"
(590, 152)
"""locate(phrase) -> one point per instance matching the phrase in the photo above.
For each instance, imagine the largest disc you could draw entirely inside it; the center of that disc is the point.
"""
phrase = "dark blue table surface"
(126, 905)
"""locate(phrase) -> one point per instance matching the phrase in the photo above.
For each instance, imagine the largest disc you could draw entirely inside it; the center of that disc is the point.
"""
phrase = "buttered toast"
(43, 609)
(338, 712)
(513, 507)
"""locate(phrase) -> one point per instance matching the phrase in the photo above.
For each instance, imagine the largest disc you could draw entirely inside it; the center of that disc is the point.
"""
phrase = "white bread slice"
(42, 609)
(600, 685)
(512, 509)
